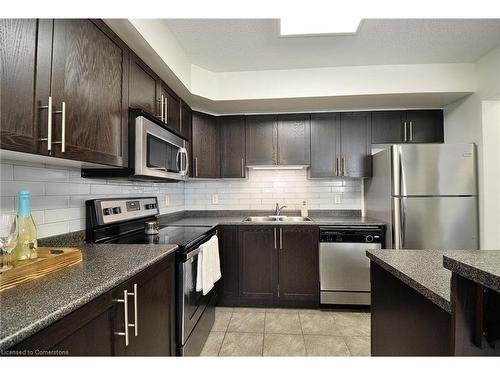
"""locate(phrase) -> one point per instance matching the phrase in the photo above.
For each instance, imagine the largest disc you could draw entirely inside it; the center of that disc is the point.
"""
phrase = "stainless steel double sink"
(291, 219)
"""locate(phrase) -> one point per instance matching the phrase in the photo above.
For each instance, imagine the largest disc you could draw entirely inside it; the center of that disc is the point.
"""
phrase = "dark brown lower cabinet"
(278, 266)
(228, 250)
(403, 321)
(258, 276)
(299, 264)
(94, 329)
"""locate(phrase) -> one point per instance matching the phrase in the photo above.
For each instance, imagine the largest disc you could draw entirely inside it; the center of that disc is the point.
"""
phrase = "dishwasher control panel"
(353, 234)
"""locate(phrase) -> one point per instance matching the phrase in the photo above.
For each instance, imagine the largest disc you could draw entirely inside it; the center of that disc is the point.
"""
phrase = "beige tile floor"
(288, 332)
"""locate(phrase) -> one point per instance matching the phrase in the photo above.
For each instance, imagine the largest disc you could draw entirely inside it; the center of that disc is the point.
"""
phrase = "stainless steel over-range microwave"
(155, 152)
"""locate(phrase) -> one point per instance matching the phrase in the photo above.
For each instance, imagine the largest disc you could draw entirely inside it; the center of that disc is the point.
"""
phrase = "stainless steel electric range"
(134, 221)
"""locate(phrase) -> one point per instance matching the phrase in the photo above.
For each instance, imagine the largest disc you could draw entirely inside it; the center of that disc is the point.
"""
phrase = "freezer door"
(447, 223)
(434, 169)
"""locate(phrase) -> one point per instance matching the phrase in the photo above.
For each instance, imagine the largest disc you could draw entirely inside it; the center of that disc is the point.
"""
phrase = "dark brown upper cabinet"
(425, 126)
(170, 109)
(205, 146)
(18, 49)
(144, 87)
(89, 90)
(294, 144)
(412, 126)
(185, 120)
(355, 147)
(258, 276)
(262, 139)
(62, 62)
(388, 126)
(232, 146)
(299, 263)
(340, 145)
(325, 145)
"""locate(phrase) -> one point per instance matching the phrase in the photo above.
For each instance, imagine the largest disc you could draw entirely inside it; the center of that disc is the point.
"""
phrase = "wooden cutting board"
(50, 259)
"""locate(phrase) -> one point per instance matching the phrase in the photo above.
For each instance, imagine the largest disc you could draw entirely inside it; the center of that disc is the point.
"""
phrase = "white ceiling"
(223, 45)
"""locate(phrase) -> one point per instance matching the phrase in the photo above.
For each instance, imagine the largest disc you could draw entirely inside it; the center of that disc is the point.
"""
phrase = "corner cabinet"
(340, 145)
(412, 126)
(60, 64)
(97, 328)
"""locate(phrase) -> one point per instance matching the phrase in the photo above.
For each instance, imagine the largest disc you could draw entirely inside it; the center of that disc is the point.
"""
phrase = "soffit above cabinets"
(354, 87)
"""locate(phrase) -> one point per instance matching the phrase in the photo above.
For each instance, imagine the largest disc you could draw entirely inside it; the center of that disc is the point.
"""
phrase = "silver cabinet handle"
(275, 245)
(162, 113)
(405, 138)
(48, 107)
(242, 168)
(411, 131)
(337, 166)
(165, 111)
(196, 167)
(62, 112)
(343, 166)
(125, 309)
(136, 324)
(281, 238)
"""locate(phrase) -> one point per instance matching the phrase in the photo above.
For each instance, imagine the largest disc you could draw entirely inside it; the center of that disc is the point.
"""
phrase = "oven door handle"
(191, 254)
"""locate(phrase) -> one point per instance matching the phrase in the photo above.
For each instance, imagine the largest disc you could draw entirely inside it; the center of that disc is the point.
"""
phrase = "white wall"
(264, 188)
(58, 194)
(471, 119)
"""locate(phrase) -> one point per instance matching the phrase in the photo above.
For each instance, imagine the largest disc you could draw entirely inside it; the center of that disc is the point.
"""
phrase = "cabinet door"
(325, 145)
(155, 311)
(355, 144)
(143, 87)
(232, 139)
(294, 132)
(87, 331)
(298, 263)
(18, 49)
(171, 109)
(425, 126)
(89, 74)
(388, 127)
(228, 248)
(258, 263)
(185, 121)
(261, 140)
(205, 146)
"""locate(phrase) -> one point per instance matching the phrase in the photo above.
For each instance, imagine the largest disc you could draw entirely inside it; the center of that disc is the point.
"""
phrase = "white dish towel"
(208, 267)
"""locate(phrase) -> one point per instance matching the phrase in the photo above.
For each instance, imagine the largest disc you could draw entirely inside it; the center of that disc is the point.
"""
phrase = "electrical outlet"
(167, 200)
(338, 199)
(215, 199)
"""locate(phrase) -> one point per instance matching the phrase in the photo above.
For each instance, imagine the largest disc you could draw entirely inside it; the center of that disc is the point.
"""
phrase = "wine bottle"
(27, 236)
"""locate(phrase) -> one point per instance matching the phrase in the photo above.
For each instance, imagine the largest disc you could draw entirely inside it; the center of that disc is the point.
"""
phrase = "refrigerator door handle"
(399, 224)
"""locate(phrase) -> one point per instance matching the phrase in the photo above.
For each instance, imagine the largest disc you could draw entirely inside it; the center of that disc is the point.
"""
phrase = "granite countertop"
(228, 218)
(422, 270)
(30, 307)
(482, 267)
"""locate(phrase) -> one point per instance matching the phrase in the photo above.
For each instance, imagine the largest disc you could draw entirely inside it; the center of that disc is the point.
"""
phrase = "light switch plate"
(338, 199)
(215, 199)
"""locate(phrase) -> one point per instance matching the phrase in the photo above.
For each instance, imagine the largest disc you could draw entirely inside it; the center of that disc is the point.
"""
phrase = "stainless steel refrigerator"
(427, 195)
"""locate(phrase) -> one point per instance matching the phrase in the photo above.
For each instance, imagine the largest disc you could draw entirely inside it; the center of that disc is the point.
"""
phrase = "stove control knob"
(117, 210)
(107, 211)
(369, 238)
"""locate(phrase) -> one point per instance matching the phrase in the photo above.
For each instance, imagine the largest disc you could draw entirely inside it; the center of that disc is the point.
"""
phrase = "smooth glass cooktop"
(179, 235)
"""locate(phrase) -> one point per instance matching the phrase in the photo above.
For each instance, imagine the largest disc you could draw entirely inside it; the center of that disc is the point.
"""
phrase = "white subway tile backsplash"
(23, 173)
(64, 214)
(11, 188)
(6, 172)
(65, 189)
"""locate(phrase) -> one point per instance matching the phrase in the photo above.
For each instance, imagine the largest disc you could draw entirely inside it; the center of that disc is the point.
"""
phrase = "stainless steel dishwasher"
(344, 268)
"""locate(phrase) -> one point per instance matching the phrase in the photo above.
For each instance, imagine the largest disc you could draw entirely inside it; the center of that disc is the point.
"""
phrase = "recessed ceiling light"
(318, 26)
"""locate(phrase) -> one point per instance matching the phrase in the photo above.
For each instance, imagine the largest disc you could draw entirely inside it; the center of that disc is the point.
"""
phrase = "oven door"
(159, 153)
(196, 311)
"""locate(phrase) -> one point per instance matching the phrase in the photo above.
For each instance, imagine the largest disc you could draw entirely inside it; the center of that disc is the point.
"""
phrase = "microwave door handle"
(186, 168)
(178, 163)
